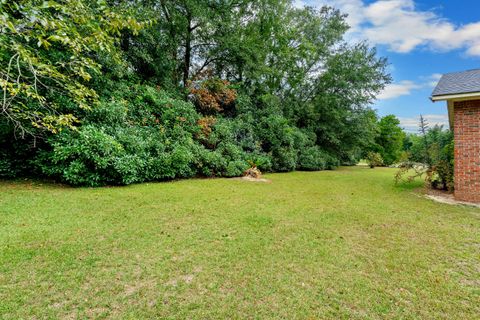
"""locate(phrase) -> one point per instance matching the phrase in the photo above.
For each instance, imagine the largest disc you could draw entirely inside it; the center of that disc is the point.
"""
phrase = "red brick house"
(461, 90)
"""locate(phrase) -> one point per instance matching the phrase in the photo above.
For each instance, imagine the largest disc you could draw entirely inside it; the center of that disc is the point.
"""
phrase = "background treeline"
(118, 92)
(429, 153)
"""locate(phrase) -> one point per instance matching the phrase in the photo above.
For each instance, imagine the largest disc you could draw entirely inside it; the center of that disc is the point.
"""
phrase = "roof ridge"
(460, 82)
(464, 71)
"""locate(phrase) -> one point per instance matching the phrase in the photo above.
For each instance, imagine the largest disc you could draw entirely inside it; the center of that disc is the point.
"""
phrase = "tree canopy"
(48, 56)
(123, 91)
(390, 139)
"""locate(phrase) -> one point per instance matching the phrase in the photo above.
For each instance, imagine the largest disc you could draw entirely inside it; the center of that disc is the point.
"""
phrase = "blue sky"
(421, 39)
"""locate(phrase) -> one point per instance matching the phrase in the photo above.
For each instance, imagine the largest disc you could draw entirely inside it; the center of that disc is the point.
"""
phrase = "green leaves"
(390, 139)
(48, 52)
(286, 89)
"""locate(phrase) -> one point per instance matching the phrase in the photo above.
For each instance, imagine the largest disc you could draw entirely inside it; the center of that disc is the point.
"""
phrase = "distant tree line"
(427, 153)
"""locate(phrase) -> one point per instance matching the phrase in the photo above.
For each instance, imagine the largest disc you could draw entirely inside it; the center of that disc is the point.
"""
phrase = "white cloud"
(400, 26)
(411, 124)
(405, 87)
(433, 79)
(395, 90)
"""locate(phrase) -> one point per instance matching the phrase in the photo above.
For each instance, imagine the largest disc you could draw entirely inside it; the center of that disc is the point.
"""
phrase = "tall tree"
(390, 139)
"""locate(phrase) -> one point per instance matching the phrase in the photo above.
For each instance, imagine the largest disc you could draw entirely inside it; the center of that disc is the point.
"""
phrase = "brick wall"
(467, 150)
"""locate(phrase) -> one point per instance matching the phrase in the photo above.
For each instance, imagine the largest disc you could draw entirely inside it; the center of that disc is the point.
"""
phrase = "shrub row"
(143, 134)
(148, 135)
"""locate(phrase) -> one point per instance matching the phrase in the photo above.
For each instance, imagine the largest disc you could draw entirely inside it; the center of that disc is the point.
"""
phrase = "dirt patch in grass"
(447, 198)
(251, 179)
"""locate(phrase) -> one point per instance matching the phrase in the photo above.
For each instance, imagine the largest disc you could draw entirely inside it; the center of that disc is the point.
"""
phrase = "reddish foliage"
(212, 95)
(206, 124)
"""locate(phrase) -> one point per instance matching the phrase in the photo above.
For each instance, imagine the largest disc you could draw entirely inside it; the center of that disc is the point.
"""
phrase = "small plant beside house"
(429, 155)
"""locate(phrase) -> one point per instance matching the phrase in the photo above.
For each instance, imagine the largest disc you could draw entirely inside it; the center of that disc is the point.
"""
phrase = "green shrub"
(6, 167)
(236, 168)
(147, 137)
(431, 153)
(284, 159)
(278, 140)
(181, 161)
(153, 138)
(144, 134)
(16, 153)
(83, 157)
(210, 163)
(443, 167)
(312, 158)
(262, 161)
(374, 159)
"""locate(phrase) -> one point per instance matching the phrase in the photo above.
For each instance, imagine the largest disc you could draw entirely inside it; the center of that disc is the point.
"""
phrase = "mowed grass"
(344, 244)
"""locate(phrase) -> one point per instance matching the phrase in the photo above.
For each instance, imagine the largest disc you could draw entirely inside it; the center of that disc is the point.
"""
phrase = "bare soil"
(251, 179)
(447, 197)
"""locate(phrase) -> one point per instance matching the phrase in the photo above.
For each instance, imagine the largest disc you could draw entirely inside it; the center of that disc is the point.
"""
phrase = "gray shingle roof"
(458, 82)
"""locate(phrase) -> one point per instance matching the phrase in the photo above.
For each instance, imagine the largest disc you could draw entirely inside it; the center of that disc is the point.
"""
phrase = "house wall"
(467, 150)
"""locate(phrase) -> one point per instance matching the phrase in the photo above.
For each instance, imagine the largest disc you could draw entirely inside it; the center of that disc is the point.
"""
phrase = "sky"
(422, 39)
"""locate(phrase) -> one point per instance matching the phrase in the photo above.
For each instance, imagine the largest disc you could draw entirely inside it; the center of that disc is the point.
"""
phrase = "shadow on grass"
(404, 185)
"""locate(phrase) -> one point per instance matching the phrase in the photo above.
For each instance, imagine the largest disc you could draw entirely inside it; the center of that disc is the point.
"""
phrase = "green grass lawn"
(344, 244)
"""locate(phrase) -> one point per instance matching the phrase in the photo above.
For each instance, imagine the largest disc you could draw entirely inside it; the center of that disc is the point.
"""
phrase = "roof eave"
(457, 96)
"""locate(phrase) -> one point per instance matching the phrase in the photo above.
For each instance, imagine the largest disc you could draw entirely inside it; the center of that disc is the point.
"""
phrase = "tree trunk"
(188, 52)
(173, 49)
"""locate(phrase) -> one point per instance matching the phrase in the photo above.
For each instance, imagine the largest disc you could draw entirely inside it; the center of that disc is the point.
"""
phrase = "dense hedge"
(148, 135)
